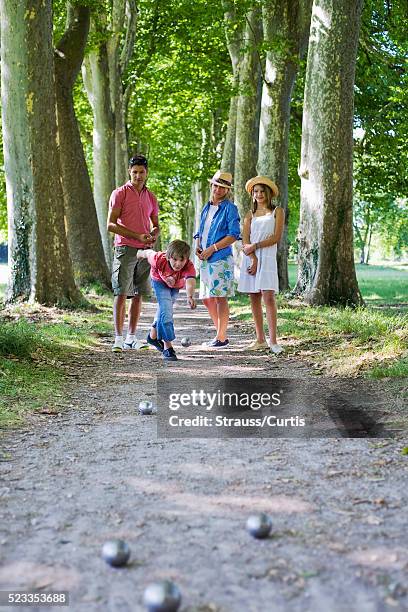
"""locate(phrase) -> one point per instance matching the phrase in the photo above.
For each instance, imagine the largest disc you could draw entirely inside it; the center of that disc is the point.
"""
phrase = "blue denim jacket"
(225, 223)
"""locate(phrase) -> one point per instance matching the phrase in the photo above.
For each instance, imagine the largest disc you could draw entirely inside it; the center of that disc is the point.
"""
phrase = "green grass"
(371, 340)
(26, 387)
(341, 340)
(21, 340)
(398, 369)
(383, 284)
(379, 285)
(35, 351)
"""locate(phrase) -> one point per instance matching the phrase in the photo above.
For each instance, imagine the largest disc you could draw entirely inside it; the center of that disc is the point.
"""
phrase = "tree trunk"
(118, 60)
(326, 272)
(286, 28)
(248, 108)
(102, 73)
(96, 80)
(84, 238)
(228, 153)
(199, 193)
(19, 180)
(37, 218)
(234, 43)
(360, 243)
(369, 247)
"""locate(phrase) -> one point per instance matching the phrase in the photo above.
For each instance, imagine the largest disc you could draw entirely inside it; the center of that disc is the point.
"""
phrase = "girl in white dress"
(263, 227)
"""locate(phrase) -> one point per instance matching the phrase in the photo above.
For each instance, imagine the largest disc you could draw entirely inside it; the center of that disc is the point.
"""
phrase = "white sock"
(130, 338)
(118, 339)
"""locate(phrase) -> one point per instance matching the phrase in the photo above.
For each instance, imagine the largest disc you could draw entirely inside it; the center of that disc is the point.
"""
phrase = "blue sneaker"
(218, 343)
(170, 354)
(158, 344)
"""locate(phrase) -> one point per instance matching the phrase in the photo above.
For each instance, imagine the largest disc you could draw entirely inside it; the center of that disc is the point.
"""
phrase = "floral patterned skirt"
(217, 278)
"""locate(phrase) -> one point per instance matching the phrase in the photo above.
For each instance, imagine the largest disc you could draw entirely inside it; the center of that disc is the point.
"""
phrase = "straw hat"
(222, 179)
(261, 180)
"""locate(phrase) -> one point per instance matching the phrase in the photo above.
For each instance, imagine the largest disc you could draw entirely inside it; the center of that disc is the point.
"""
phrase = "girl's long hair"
(270, 205)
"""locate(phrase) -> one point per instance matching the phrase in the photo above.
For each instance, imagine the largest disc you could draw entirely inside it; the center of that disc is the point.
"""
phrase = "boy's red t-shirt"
(161, 269)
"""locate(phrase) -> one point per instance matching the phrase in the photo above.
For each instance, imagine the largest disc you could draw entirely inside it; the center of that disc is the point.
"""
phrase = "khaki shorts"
(130, 276)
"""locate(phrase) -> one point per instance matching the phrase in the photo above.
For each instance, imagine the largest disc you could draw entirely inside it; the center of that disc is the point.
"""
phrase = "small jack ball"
(259, 525)
(162, 596)
(145, 407)
(185, 341)
(116, 553)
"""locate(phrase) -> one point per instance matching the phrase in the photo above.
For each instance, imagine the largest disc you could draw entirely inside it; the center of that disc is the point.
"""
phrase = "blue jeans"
(163, 322)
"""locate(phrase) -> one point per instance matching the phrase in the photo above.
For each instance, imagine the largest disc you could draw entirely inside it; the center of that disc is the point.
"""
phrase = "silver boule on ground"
(116, 553)
(163, 596)
(259, 525)
(145, 407)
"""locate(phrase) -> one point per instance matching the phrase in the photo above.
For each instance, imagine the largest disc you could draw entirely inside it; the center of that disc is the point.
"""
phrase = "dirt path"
(98, 471)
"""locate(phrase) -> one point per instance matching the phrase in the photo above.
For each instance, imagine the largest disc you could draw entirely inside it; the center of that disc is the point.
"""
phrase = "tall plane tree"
(40, 266)
(286, 27)
(84, 238)
(234, 33)
(326, 273)
(103, 71)
(248, 108)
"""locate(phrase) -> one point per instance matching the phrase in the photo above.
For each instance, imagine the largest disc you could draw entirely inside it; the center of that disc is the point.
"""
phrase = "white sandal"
(276, 348)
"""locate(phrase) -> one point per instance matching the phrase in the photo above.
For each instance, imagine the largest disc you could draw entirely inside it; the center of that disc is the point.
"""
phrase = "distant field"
(378, 284)
(383, 284)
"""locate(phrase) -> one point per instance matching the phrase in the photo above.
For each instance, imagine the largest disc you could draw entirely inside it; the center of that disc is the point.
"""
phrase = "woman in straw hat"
(263, 227)
(219, 229)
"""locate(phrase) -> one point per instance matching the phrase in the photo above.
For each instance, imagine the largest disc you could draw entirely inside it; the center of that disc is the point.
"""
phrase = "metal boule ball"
(116, 552)
(186, 341)
(259, 525)
(145, 407)
(162, 596)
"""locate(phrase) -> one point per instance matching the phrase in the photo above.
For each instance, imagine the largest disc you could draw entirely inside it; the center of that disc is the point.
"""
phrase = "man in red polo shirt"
(133, 218)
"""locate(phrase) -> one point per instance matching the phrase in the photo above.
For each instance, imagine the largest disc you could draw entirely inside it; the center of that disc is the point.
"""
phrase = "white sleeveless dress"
(266, 276)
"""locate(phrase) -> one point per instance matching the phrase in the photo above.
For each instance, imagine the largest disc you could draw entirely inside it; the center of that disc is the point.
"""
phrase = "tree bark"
(124, 19)
(19, 178)
(84, 238)
(103, 72)
(37, 214)
(199, 193)
(234, 33)
(326, 272)
(369, 246)
(96, 80)
(286, 27)
(248, 109)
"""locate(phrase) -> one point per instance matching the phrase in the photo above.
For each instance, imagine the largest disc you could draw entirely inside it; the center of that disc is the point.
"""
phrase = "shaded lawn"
(345, 341)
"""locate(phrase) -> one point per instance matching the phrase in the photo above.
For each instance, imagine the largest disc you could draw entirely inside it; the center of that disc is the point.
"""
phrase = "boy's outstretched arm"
(146, 254)
(190, 290)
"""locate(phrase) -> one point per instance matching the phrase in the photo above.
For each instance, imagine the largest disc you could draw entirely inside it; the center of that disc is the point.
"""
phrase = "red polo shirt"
(136, 210)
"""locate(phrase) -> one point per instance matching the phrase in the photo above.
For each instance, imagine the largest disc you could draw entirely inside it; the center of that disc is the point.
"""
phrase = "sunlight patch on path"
(26, 574)
(219, 504)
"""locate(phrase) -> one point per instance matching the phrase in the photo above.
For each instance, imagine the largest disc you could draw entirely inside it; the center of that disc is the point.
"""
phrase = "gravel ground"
(97, 470)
